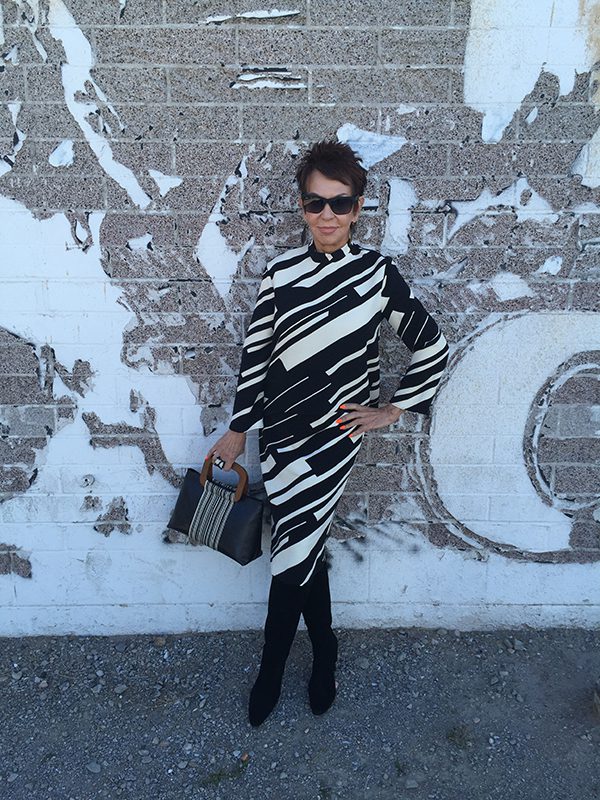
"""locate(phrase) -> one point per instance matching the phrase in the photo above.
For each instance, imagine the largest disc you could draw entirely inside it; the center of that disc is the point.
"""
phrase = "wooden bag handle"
(242, 486)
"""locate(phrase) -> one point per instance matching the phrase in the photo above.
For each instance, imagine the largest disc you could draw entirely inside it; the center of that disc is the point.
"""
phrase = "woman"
(309, 380)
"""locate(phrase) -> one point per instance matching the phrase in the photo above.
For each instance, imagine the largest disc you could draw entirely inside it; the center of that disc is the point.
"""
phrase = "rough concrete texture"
(147, 150)
(434, 714)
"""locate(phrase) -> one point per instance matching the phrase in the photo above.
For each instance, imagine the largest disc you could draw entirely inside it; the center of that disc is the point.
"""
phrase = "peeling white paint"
(508, 286)
(532, 116)
(518, 197)
(12, 56)
(6, 164)
(80, 232)
(75, 73)
(140, 242)
(271, 13)
(62, 155)
(510, 43)
(164, 182)
(371, 147)
(587, 163)
(218, 18)
(29, 16)
(57, 294)
(270, 79)
(405, 109)
(402, 199)
(2, 40)
(212, 250)
(551, 265)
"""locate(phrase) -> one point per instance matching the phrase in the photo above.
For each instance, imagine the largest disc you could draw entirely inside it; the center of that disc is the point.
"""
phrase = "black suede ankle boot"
(283, 615)
(317, 615)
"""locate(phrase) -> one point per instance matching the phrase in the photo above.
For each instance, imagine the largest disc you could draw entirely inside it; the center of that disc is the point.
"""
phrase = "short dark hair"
(335, 160)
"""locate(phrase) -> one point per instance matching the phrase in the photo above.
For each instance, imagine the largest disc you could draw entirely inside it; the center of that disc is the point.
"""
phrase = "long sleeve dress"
(312, 345)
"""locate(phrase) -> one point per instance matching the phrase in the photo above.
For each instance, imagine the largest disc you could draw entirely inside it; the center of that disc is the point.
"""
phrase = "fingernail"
(342, 427)
(338, 420)
(342, 406)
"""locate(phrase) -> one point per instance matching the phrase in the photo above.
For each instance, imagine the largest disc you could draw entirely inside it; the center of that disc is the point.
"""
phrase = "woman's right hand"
(228, 448)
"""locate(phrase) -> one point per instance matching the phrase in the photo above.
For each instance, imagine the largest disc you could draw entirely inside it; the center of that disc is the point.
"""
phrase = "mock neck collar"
(336, 255)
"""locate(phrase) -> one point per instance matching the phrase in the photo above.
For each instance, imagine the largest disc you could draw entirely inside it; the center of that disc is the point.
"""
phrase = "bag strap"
(242, 487)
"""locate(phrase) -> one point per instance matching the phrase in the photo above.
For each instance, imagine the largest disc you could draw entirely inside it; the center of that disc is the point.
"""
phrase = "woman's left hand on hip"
(357, 419)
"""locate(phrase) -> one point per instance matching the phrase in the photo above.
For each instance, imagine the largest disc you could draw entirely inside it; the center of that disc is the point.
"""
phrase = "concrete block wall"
(148, 150)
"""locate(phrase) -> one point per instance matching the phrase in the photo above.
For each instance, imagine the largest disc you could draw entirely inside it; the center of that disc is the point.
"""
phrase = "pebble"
(12, 776)
(120, 688)
(93, 766)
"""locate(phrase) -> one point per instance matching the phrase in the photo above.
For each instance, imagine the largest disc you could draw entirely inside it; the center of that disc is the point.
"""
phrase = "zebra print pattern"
(312, 345)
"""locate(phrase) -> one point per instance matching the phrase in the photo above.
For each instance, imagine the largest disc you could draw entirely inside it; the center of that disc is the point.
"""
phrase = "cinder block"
(182, 12)
(374, 85)
(118, 228)
(370, 478)
(304, 124)
(403, 13)
(461, 11)
(586, 296)
(572, 451)
(113, 12)
(164, 46)
(585, 535)
(307, 46)
(46, 120)
(167, 123)
(574, 122)
(423, 47)
(434, 124)
(581, 389)
(389, 449)
(13, 83)
(22, 390)
(56, 191)
(414, 160)
(513, 159)
(576, 479)
(132, 84)
(579, 420)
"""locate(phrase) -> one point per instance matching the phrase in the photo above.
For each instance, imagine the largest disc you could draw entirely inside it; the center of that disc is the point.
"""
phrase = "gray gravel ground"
(440, 714)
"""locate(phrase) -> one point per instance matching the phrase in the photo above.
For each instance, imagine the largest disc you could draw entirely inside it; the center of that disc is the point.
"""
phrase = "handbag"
(219, 516)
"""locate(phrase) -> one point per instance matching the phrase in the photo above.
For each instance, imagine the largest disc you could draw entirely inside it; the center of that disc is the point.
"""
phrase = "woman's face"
(329, 231)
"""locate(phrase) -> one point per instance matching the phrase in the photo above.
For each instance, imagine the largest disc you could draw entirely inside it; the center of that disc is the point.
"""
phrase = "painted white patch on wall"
(62, 155)
(371, 147)
(402, 199)
(164, 182)
(519, 196)
(551, 265)
(507, 286)
(587, 163)
(508, 45)
(213, 250)
(532, 116)
(58, 294)
(140, 242)
(485, 405)
(6, 164)
(75, 72)
(271, 13)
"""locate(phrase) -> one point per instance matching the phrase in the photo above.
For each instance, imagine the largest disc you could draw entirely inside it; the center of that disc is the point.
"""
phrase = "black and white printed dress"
(312, 345)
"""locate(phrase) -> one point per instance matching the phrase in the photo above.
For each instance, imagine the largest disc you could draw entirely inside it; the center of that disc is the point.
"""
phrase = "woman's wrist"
(239, 433)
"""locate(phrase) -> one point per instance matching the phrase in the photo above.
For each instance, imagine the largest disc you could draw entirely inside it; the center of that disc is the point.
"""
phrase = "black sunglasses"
(341, 204)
